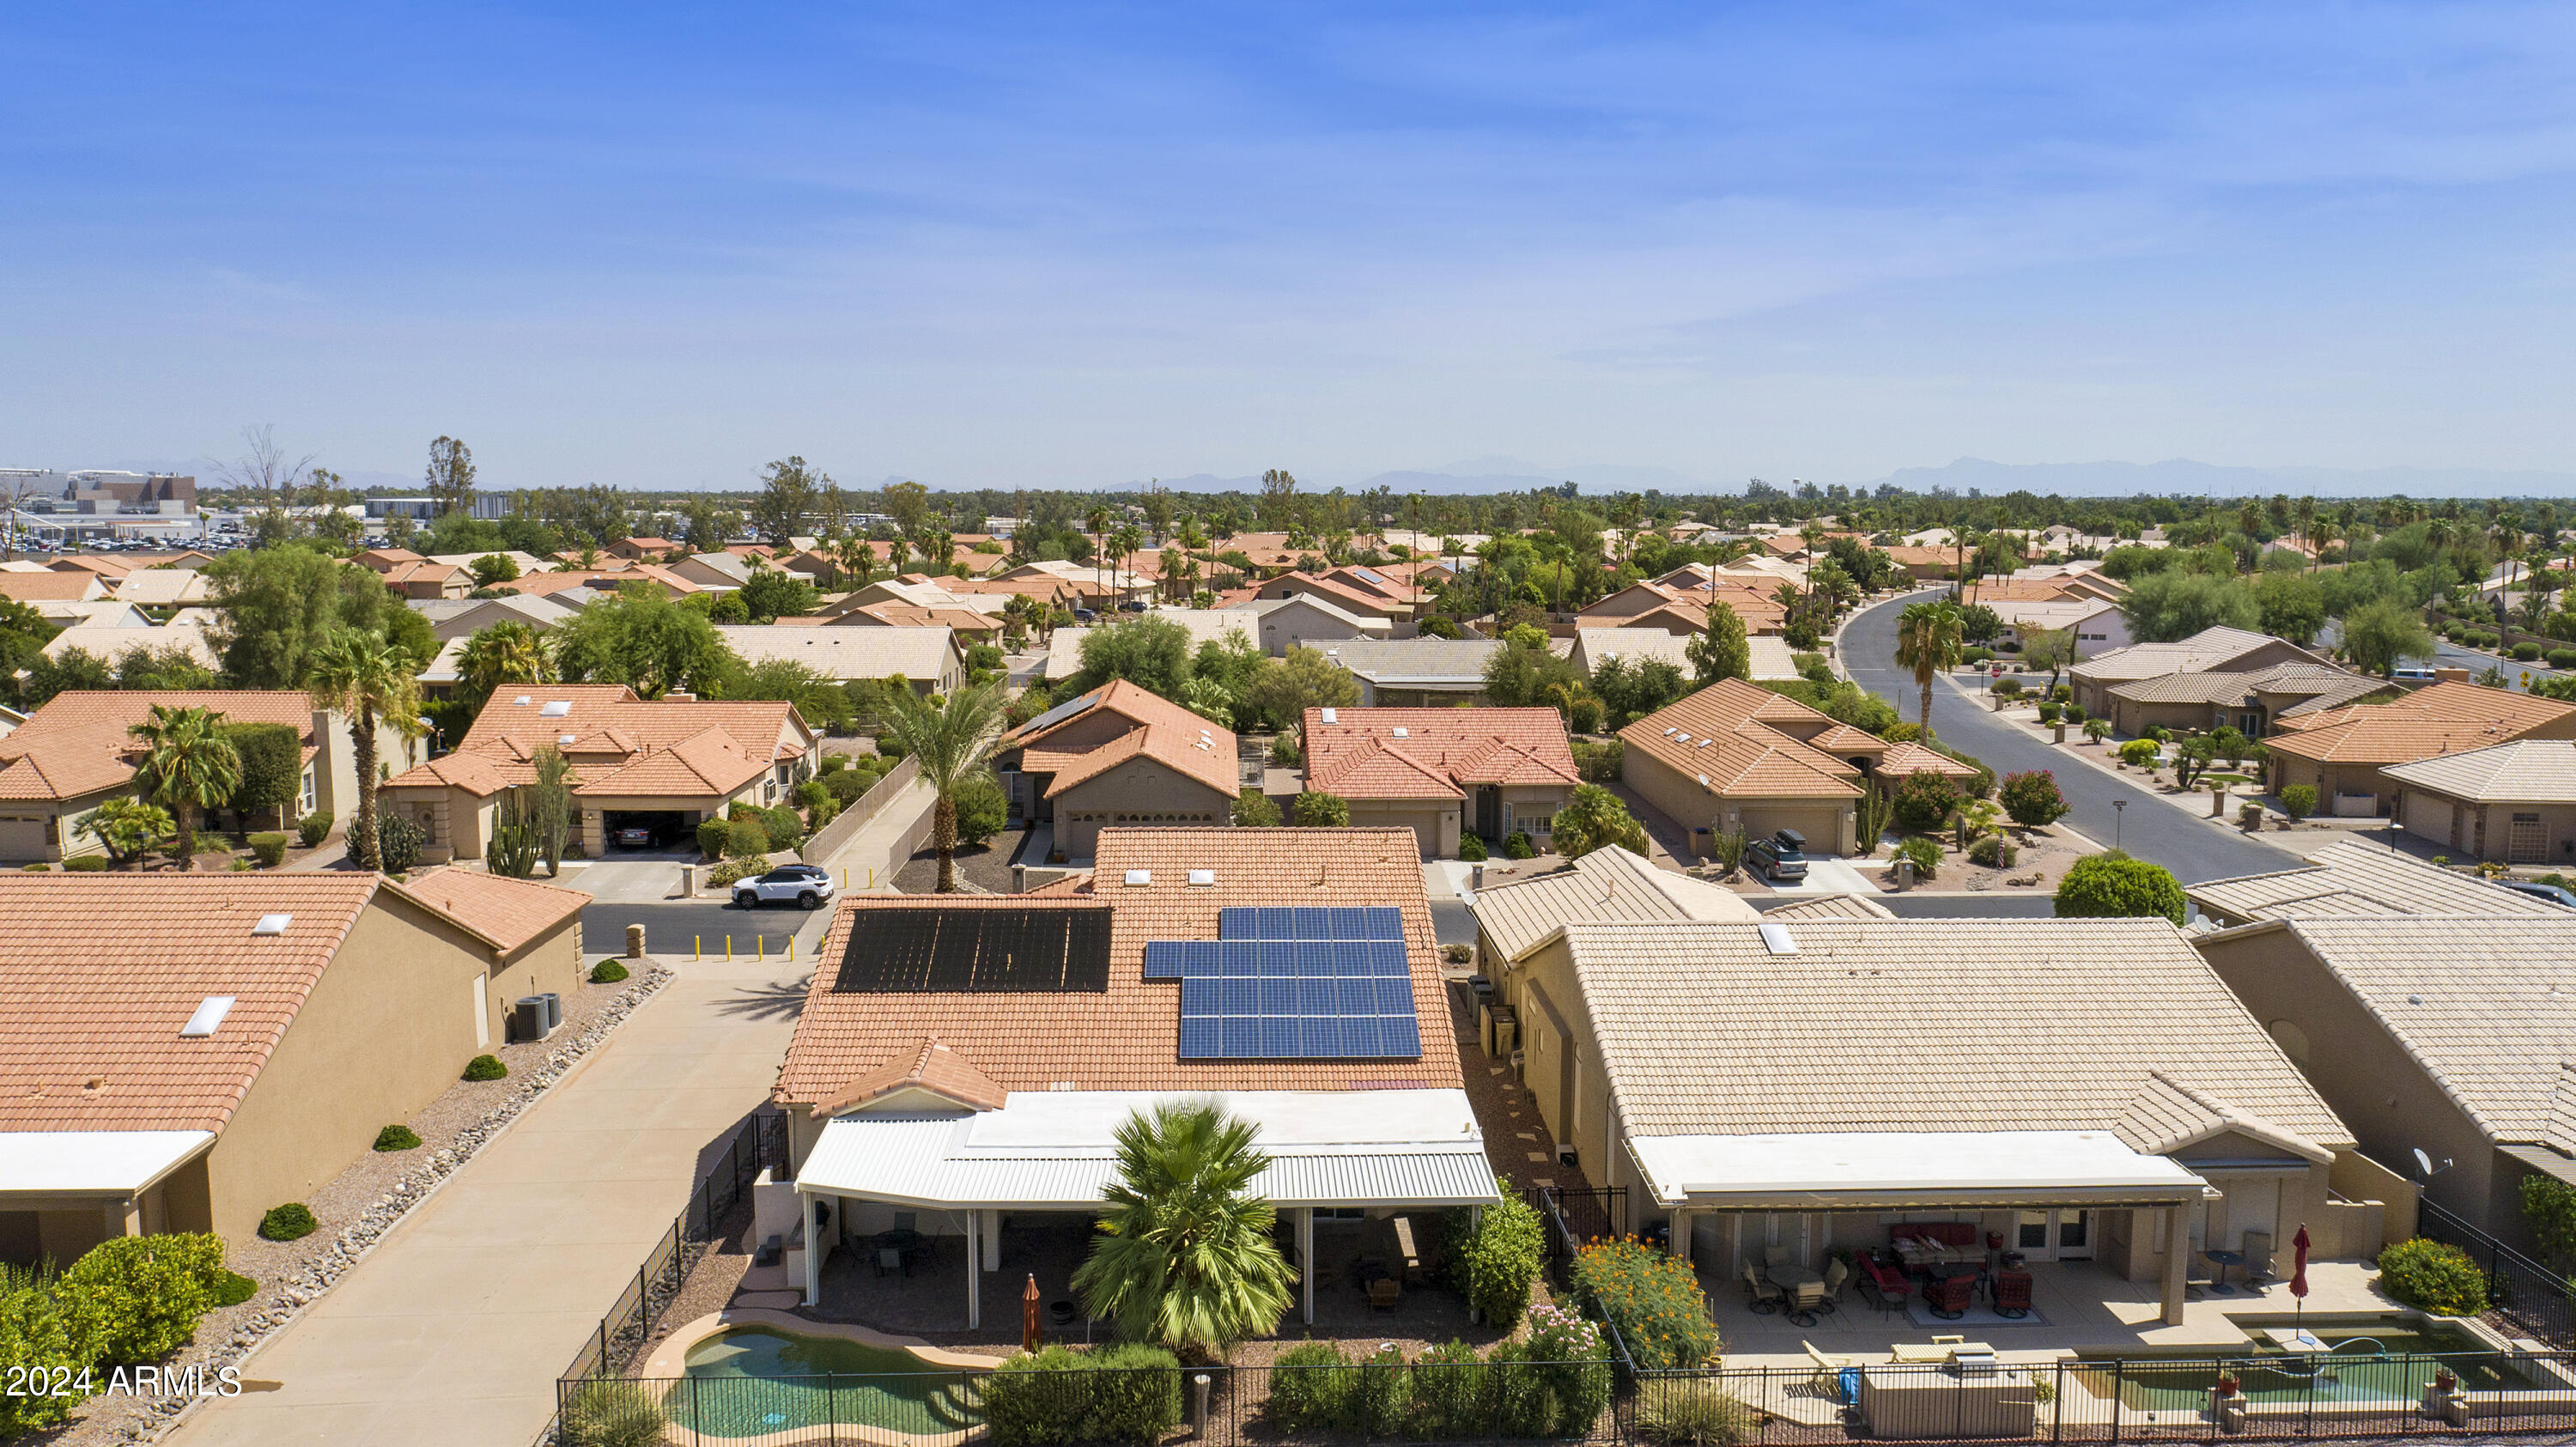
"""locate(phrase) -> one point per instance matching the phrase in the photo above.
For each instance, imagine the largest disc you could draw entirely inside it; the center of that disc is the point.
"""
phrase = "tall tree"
(789, 492)
(643, 640)
(1721, 651)
(548, 806)
(908, 503)
(451, 476)
(508, 652)
(1278, 499)
(189, 765)
(954, 742)
(368, 681)
(1928, 641)
(1184, 1257)
(264, 473)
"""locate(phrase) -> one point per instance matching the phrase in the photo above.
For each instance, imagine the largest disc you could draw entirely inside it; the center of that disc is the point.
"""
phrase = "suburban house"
(1773, 659)
(452, 618)
(1683, 608)
(1311, 620)
(1348, 596)
(2212, 650)
(254, 1034)
(2351, 877)
(648, 550)
(662, 765)
(578, 587)
(2247, 702)
(76, 753)
(1737, 758)
(2513, 803)
(963, 1063)
(2342, 753)
(1119, 754)
(2448, 1035)
(930, 659)
(2097, 626)
(1441, 771)
(971, 626)
(413, 576)
(2133, 1127)
(54, 586)
(1416, 672)
(163, 588)
(111, 642)
(1606, 884)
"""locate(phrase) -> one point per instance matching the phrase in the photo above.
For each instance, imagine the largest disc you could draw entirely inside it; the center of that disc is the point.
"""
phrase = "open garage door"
(662, 828)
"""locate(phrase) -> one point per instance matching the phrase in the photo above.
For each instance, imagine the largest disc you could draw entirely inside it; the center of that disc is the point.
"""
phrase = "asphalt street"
(679, 926)
(2150, 828)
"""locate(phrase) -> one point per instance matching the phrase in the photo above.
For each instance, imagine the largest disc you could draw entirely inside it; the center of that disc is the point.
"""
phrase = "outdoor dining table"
(1793, 1277)
(2224, 1259)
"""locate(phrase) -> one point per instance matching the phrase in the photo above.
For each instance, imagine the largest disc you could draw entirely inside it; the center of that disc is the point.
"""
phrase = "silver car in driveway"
(802, 885)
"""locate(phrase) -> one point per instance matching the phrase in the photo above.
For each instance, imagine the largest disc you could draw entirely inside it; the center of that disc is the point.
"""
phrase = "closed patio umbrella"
(2299, 1274)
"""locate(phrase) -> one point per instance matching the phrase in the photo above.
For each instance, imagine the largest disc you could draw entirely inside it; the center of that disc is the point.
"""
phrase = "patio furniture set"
(1941, 1259)
(1784, 1285)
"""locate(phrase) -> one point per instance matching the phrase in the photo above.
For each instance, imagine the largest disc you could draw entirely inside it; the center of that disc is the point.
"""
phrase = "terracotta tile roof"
(1703, 1030)
(2210, 648)
(1074, 749)
(91, 1040)
(1724, 734)
(932, 1067)
(621, 744)
(51, 585)
(507, 914)
(1125, 1033)
(78, 742)
(2445, 718)
(709, 762)
(1415, 753)
(1911, 758)
(913, 615)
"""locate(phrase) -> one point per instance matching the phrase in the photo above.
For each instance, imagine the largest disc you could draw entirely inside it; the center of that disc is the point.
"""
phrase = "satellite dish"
(2423, 1162)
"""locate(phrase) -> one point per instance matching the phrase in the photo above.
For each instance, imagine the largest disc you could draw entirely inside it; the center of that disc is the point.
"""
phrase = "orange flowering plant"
(1651, 1298)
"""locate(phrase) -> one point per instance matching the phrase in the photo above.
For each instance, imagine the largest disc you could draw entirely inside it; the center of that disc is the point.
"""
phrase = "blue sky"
(1067, 245)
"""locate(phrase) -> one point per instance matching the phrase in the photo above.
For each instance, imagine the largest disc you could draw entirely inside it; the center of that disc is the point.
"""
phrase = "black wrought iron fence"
(2531, 1295)
(2139, 1399)
(760, 1143)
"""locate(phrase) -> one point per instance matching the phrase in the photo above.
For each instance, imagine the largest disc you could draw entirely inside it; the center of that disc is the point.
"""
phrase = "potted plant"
(2228, 1385)
(2445, 1381)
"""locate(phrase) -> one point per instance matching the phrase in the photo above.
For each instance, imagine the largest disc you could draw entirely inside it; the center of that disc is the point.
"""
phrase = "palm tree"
(1928, 641)
(370, 681)
(505, 653)
(953, 741)
(1184, 1256)
(188, 765)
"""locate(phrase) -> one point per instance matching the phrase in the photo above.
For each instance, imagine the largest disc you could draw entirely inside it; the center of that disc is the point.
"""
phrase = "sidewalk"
(452, 1329)
(885, 842)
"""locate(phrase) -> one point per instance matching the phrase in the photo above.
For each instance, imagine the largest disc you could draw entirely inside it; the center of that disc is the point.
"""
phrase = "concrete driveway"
(1830, 876)
(453, 1329)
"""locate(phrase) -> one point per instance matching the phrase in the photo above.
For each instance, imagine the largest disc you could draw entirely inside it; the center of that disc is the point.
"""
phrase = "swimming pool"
(750, 1381)
(2363, 1360)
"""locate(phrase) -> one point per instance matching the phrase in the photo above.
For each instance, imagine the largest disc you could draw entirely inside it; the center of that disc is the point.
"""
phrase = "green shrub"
(2560, 658)
(1121, 1394)
(2008, 686)
(1691, 1412)
(397, 1138)
(745, 837)
(232, 1288)
(1651, 1298)
(268, 849)
(398, 842)
(983, 810)
(2430, 1276)
(1973, 656)
(1471, 847)
(2062, 693)
(485, 1067)
(294, 1220)
(39, 1331)
(1380, 1395)
(1925, 852)
(613, 1414)
(1314, 810)
(2526, 653)
(785, 829)
(607, 972)
(1994, 851)
(734, 871)
(1518, 846)
(35, 869)
(1924, 799)
(2113, 885)
(1449, 1393)
(2033, 799)
(1492, 1263)
(2140, 753)
(85, 863)
(848, 785)
(1254, 809)
(711, 837)
(1284, 751)
(138, 1298)
(1309, 1383)
(812, 794)
(1563, 1384)
(2050, 712)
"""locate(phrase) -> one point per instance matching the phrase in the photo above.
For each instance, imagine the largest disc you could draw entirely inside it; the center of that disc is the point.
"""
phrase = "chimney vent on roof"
(1777, 939)
(272, 924)
(1140, 876)
(210, 1014)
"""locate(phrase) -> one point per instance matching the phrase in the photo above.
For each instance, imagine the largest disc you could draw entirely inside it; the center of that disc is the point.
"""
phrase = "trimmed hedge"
(140, 1296)
(397, 1138)
(1493, 1261)
(268, 849)
(1121, 1394)
(485, 1067)
(607, 972)
(290, 1222)
(312, 829)
(85, 863)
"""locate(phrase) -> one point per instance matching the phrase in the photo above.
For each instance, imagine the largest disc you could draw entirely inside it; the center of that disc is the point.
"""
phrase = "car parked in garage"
(803, 885)
(635, 836)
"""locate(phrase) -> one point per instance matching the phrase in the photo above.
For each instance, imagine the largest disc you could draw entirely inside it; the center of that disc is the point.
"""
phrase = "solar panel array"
(1292, 983)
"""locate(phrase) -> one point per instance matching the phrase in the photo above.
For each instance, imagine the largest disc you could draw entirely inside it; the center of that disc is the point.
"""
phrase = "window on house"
(1538, 823)
(310, 804)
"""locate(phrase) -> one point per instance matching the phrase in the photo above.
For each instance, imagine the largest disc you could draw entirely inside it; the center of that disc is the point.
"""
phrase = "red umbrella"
(2299, 1275)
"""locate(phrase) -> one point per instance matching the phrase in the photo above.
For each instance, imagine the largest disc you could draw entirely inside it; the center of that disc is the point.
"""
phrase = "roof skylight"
(272, 924)
(556, 708)
(1140, 876)
(210, 1014)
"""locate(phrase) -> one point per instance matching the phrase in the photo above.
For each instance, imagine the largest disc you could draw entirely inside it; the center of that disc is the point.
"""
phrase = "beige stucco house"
(2357, 877)
(2134, 1128)
(2514, 803)
(76, 753)
(2250, 703)
(1443, 771)
(661, 764)
(253, 1034)
(2344, 753)
(2212, 650)
(1120, 754)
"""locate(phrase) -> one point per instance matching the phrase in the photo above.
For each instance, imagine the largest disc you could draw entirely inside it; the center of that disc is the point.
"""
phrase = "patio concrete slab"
(454, 1328)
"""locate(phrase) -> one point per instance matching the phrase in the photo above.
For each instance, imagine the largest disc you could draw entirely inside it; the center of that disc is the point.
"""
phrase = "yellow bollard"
(791, 947)
(728, 949)
(760, 943)
(697, 947)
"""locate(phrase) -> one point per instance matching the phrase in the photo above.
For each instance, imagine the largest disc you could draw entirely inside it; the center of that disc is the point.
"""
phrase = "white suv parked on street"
(803, 885)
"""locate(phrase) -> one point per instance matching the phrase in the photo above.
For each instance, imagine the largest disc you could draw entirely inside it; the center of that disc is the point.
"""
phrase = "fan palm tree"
(1184, 1256)
(188, 765)
(954, 741)
(506, 653)
(1929, 641)
(369, 681)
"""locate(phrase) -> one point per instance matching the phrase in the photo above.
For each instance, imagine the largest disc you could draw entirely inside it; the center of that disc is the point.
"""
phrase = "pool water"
(754, 1380)
(2363, 1362)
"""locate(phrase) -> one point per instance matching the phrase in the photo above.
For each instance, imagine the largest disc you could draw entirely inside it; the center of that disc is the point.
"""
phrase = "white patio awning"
(1055, 1150)
(1893, 1170)
(93, 1163)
